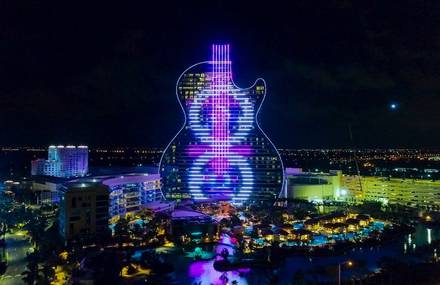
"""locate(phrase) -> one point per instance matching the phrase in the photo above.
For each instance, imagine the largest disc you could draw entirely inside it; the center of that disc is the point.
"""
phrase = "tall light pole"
(349, 264)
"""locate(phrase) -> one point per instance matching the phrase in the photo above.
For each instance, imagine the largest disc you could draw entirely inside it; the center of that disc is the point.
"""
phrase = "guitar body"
(220, 152)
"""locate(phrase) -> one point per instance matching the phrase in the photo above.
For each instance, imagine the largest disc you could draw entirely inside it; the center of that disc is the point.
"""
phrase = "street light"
(349, 263)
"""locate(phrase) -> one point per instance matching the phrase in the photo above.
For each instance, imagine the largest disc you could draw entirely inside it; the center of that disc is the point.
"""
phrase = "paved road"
(17, 246)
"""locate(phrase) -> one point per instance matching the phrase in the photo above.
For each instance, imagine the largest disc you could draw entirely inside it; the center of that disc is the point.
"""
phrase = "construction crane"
(358, 172)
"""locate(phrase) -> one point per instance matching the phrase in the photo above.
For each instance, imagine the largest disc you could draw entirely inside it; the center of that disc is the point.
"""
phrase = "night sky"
(105, 75)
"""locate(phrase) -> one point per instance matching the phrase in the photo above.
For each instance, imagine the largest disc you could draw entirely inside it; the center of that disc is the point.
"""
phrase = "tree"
(137, 233)
(47, 274)
(146, 214)
(224, 223)
(36, 227)
(30, 275)
(121, 230)
(235, 221)
(151, 230)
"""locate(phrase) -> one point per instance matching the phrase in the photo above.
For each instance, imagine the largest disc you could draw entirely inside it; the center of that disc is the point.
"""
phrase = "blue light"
(220, 151)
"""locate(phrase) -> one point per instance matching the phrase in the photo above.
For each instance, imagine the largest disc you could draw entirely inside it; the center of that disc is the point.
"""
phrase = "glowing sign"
(220, 118)
(220, 152)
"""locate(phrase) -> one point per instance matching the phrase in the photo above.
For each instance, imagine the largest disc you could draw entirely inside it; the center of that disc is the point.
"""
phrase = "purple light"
(197, 269)
(204, 272)
(210, 156)
(244, 270)
(220, 111)
(243, 150)
(197, 150)
(221, 117)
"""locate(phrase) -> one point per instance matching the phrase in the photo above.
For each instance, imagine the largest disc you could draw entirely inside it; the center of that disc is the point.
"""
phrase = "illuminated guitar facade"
(220, 152)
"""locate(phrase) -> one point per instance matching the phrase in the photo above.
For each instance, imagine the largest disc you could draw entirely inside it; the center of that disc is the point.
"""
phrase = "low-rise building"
(47, 189)
(192, 226)
(418, 193)
(130, 193)
(312, 186)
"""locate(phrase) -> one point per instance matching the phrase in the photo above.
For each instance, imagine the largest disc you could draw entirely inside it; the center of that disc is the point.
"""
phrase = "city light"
(104, 180)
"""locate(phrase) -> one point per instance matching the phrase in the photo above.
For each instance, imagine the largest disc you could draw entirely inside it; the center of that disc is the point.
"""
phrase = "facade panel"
(220, 152)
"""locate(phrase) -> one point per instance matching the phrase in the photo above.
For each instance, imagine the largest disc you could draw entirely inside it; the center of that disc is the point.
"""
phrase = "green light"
(196, 233)
(198, 250)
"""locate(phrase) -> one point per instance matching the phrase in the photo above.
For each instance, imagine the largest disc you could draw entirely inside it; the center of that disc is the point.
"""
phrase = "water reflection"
(203, 272)
(428, 231)
(313, 269)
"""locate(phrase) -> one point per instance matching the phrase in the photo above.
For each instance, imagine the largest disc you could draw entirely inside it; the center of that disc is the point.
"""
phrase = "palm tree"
(30, 275)
(36, 229)
(147, 214)
(47, 274)
(121, 229)
(151, 230)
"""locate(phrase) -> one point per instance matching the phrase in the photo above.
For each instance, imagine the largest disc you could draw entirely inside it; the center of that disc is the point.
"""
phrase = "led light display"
(220, 152)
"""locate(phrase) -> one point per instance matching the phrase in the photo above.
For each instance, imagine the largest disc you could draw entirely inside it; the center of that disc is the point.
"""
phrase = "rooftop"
(187, 214)
(118, 179)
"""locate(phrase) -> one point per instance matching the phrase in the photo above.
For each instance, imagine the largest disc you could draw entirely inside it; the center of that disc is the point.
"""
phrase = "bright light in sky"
(393, 106)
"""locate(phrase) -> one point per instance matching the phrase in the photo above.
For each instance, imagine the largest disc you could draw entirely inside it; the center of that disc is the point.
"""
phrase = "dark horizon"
(105, 76)
(43, 147)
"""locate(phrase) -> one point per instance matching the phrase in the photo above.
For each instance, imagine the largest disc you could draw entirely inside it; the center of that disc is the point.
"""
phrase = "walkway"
(17, 245)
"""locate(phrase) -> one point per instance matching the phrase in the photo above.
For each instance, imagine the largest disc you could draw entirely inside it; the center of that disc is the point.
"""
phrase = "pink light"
(197, 268)
(219, 161)
(204, 272)
(197, 150)
(220, 111)
(243, 150)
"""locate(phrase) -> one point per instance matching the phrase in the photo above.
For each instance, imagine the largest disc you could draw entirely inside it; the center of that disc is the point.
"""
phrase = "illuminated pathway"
(225, 243)
(17, 246)
(204, 272)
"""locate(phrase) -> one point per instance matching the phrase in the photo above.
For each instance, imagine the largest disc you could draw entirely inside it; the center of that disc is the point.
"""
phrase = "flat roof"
(87, 186)
(186, 213)
(130, 178)
(110, 180)
(116, 179)
(158, 205)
